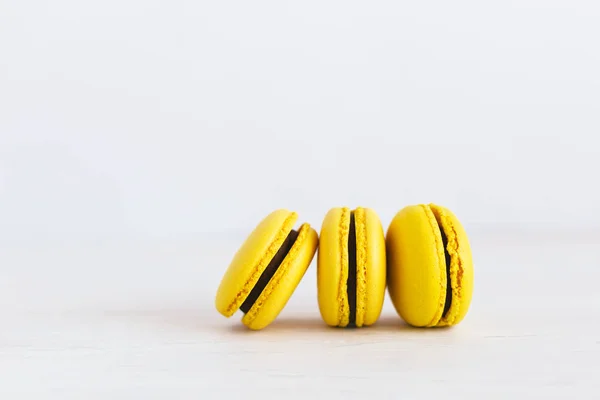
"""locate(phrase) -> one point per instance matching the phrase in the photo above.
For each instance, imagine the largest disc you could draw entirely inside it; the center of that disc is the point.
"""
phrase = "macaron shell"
(332, 267)
(251, 259)
(416, 274)
(282, 285)
(461, 265)
(371, 282)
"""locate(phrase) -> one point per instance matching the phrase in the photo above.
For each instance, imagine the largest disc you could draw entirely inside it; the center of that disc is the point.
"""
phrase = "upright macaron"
(266, 269)
(430, 267)
(351, 267)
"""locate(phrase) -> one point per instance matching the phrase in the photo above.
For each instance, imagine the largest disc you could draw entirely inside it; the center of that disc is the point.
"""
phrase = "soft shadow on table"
(393, 323)
(308, 325)
(283, 324)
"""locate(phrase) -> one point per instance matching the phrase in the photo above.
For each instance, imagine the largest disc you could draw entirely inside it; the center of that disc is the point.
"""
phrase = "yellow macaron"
(266, 269)
(430, 267)
(351, 267)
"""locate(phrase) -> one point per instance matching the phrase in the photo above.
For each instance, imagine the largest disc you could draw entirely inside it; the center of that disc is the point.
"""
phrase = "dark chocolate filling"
(351, 283)
(268, 273)
(448, 300)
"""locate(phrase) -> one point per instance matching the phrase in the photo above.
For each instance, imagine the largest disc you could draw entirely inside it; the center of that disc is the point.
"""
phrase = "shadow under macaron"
(306, 324)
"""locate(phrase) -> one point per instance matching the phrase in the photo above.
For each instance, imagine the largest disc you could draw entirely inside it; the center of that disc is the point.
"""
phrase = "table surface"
(135, 319)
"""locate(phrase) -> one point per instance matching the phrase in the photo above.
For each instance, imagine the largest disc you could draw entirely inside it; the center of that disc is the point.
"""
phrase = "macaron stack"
(423, 260)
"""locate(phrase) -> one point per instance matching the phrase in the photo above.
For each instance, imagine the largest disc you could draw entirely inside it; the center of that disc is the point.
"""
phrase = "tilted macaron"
(351, 268)
(266, 269)
(430, 267)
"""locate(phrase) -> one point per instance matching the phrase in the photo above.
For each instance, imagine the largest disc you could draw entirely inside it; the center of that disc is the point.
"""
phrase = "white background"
(166, 118)
(141, 140)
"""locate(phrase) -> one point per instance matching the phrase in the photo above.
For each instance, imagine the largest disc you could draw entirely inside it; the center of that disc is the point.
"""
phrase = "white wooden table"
(135, 319)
